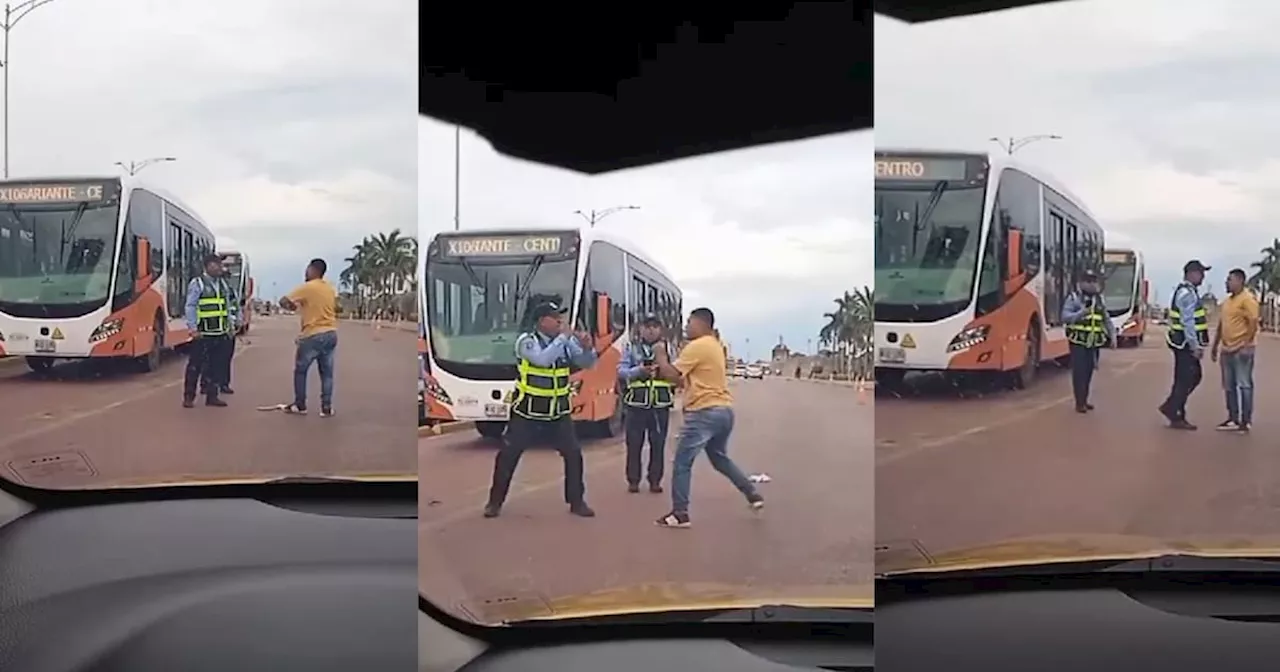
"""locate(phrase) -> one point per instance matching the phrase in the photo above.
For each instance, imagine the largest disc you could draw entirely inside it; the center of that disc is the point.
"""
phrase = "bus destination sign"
(921, 168)
(53, 192)
(1117, 257)
(500, 246)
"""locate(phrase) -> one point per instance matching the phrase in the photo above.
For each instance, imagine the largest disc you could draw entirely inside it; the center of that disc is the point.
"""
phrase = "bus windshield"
(56, 260)
(235, 271)
(476, 309)
(1118, 289)
(926, 244)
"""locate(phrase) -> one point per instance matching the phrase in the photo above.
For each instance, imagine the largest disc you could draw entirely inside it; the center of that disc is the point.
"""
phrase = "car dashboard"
(209, 584)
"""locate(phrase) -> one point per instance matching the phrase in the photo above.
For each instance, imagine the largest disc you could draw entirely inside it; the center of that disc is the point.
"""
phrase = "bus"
(95, 268)
(974, 255)
(239, 275)
(479, 286)
(1125, 291)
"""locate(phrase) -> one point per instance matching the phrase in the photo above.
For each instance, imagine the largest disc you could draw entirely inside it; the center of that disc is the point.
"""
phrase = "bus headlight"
(969, 338)
(106, 330)
(1127, 325)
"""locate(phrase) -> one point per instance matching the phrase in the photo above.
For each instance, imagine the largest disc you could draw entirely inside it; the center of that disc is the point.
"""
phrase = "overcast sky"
(1168, 112)
(765, 237)
(290, 119)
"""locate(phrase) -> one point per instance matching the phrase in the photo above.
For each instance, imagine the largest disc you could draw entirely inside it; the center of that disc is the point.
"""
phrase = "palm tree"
(380, 273)
(850, 328)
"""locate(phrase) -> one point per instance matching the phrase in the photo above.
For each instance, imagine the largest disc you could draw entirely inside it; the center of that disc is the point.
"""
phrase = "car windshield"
(758, 246)
(1013, 433)
(126, 360)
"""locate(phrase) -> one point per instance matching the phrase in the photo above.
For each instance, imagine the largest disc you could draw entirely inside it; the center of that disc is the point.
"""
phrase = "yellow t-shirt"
(317, 302)
(1239, 321)
(702, 363)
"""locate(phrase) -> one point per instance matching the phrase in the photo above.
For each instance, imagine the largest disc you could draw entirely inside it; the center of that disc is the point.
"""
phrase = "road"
(813, 537)
(961, 473)
(85, 425)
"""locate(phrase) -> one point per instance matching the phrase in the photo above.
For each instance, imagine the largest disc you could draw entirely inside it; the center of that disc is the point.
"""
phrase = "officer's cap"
(1195, 265)
(548, 309)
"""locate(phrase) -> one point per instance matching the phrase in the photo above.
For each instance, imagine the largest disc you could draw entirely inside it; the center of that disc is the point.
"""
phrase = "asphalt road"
(87, 426)
(813, 538)
(958, 473)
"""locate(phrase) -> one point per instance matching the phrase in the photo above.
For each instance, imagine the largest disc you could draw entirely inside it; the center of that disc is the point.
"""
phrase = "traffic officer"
(648, 399)
(1089, 329)
(1187, 337)
(234, 306)
(210, 324)
(541, 407)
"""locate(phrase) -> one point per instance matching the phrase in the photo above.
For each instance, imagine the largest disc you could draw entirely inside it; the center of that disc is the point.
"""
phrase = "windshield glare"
(477, 310)
(1118, 290)
(56, 255)
(926, 262)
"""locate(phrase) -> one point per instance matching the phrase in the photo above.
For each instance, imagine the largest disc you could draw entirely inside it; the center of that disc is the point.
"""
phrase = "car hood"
(650, 598)
(911, 557)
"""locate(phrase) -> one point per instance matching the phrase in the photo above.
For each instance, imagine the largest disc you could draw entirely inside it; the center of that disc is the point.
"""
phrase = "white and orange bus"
(239, 274)
(478, 287)
(974, 256)
(95, 267)
(1125, 291)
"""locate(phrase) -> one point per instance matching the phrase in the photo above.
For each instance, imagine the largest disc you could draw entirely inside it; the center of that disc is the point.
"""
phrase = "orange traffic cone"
(862, 393)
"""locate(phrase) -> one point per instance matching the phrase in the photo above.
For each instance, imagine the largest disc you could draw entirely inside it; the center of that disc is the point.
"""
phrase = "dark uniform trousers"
(207, 358)
(650, 423)
(523, 433)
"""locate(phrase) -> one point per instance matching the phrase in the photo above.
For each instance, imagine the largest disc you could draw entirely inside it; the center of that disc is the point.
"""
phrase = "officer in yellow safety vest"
(1089, 329)
(648, 399)
(1188, 337)
(541, 406)
(211, 325)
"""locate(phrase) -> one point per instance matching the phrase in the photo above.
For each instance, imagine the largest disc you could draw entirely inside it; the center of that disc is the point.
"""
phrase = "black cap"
(547, 309)
(651, 319)
(1195, 265)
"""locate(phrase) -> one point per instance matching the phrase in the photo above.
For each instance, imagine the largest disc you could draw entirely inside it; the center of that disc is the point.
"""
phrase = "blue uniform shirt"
(1187, 301)
(563, 346)
(1073, 311)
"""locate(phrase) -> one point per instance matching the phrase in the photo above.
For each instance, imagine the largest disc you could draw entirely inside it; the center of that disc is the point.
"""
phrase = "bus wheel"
(491, 430)
(890, 379)
(1026, 374)
(40, 364)
(151, 361)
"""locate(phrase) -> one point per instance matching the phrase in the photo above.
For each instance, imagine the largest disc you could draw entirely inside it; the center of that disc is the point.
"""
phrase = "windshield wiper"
(935, 196)
(523, 287)
(764, 614)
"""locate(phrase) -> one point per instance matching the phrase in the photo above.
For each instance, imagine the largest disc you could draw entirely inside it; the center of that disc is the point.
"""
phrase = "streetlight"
(1011, 145)
(594, 216)
(12, 15)
(457, 177)
(134, 167)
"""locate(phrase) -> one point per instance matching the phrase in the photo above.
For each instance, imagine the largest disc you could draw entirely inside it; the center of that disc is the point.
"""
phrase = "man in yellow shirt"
(708, 415)
(1236, 338)
(317, 304)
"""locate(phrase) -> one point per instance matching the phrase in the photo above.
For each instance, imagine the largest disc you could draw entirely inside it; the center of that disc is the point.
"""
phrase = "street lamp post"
(134, 167)
(1011, 145)
(457, 177)
(594, 216)
(12, 15)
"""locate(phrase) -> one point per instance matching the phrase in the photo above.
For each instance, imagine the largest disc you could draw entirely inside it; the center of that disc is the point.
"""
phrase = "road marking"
(1004, 421)
(11, 439)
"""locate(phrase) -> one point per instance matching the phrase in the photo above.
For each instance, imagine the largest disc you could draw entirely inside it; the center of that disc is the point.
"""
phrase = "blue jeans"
(1237, 382)
(710, 429)
(319, 349)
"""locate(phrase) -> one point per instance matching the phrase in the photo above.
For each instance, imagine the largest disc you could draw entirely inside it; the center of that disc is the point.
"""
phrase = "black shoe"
(1227, 426)
(675, 519)
(492, 510)
(581, 509)
(188, 402)
(1167, 412)
(655, 487)
(1181, 423)
(214, 401)
(1082, 408)
(228, 390)
(1244, 428)
(1088, 407)
(755, 501)
(633, 487)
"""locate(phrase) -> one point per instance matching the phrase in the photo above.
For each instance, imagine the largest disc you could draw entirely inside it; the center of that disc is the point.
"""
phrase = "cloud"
(281, 114)
(766, 237)
(1166, 112)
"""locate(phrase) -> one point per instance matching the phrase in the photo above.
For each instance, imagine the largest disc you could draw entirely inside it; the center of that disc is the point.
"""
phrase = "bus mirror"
(1015, 253)
(142, 270)
(603, 308)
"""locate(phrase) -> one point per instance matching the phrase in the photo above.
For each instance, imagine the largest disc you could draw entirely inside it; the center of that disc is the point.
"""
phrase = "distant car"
(739, 372)
(754, 372)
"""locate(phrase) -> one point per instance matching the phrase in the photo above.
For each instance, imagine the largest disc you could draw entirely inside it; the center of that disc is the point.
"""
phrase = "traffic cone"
(862, 393)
